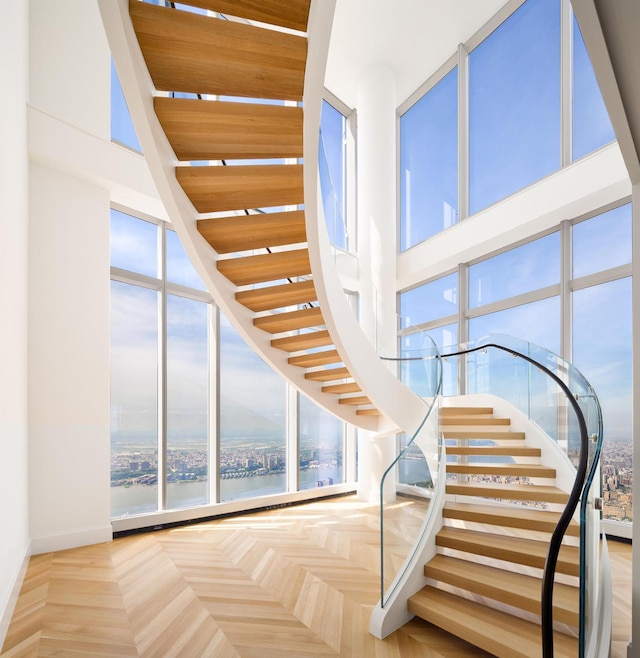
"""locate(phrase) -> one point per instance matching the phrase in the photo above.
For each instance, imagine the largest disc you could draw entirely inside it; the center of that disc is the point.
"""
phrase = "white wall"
(68, 361)
(69, 63)
(68, 336)
(14, 545)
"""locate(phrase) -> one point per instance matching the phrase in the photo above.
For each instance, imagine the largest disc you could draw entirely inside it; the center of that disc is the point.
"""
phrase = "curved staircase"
(226, 103)
(486, 579)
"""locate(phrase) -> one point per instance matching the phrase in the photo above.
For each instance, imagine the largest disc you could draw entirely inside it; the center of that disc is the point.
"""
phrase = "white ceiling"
(413, 37)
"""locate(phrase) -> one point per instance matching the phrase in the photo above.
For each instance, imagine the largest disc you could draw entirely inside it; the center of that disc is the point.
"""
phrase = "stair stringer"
(401, 408)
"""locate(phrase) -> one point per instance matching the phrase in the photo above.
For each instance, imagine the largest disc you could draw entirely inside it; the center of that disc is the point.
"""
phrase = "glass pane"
(446, 338)
(187, 402)
(412, 466)
(179, 267)
(134, 399)
(431, 301)
(602, 350)
(429, 163)
(530, 267)
(514, 104)
(602, 242)
(332, 168)
(498, 373)
(134, 244)
(591, 125)
(321, 445)
(122, 129)
(252, 421)
(538, 322)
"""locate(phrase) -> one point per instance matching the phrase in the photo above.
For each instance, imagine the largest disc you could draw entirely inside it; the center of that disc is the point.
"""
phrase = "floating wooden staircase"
(485, 581)
(238, 141)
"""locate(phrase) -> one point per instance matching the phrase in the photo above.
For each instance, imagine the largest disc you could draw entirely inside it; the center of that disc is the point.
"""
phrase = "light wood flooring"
(293, 582)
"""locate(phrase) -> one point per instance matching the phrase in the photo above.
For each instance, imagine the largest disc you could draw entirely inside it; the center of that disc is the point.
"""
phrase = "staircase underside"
(228, 91)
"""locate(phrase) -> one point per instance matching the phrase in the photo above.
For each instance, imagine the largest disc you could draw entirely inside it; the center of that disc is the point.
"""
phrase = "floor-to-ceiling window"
(513, 106)
(160, 345)
(252, 421)
(197, 417)
(429, 163)
(568, 291)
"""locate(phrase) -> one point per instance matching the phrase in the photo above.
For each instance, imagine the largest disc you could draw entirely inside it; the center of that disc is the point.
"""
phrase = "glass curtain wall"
(467, 144)
(165, 450)
(159, 371)
(252, 421)
(586, 318)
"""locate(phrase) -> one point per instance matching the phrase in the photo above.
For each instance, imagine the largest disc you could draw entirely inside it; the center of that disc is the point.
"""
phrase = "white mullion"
(566, 83)
(292, 440)
(463, 133)
(463, 324)
(162, 371)
(213, 459)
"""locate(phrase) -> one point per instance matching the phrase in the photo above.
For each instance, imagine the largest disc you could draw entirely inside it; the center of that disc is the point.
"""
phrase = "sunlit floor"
(293, 582)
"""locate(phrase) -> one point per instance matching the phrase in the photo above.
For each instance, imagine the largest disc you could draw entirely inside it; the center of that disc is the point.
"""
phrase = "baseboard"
(64, 540)
(9, 606)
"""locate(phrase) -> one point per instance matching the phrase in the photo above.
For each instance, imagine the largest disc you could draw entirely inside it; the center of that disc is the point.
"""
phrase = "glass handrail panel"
(420, 455)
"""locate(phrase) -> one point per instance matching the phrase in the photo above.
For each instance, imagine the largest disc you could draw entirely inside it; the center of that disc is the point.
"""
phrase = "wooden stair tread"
(345, 387)
(453, 411)
(279, 296)
(220, 130)
(518, 550)
(266, 267)
(493, 434)
(328, 374)
(510, 517)
(304, 341)
(368, 412)
(523, 470)
(245, 232)
(356, 399)
(320, 358)
(497, 632)
(515, 589)
(508, 491)
(498, 451)
(292, 14)
(200, 54)
(470, 420)
(242, 187)
(290, 320)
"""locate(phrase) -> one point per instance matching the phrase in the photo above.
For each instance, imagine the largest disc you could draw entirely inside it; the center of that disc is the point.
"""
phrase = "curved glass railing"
(556, 396)
(417, 464)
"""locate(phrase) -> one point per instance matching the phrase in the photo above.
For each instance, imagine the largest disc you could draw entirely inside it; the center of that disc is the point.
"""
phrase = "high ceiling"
(413, 37)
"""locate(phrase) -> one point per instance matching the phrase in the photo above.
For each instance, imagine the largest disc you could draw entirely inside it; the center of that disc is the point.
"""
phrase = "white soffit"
(413, 37)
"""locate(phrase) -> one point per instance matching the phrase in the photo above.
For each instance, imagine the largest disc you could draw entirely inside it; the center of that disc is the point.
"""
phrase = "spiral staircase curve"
(226, 105)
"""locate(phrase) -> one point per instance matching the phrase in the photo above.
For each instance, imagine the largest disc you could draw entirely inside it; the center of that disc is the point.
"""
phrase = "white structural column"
(377, 249)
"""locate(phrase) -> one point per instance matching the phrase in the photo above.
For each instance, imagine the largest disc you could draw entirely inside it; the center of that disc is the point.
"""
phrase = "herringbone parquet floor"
(296, 582)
